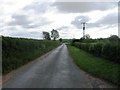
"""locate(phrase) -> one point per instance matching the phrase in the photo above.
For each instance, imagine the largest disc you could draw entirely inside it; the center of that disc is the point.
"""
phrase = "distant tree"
(60, 39)
(46, 35)
(87, 36)
(81, 39)
(75, 40)
(54, 34)
(113, 38)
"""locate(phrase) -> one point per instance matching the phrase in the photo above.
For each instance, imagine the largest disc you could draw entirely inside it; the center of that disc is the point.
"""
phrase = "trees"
(113, 38)
(46, 35)
(87, 36)
(60, 39)
(54, 34)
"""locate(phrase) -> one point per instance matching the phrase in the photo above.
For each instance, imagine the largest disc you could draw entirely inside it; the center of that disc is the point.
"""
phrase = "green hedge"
(109, 51)
(19, 51)
(98, 67)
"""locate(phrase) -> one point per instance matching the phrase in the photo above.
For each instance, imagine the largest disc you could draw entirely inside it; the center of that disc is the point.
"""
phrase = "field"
(19, 51)
(96, 66)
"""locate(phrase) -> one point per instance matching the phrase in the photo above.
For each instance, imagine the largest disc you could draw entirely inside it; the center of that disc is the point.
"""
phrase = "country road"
(55, 70)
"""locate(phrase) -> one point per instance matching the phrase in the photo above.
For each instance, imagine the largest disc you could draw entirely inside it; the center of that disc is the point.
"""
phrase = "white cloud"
(11, 6)
(8, 8)
(23, 21)
(28, 18)
(101, 33)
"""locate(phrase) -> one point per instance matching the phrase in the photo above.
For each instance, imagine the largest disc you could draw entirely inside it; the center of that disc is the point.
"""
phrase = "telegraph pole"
(83, 24)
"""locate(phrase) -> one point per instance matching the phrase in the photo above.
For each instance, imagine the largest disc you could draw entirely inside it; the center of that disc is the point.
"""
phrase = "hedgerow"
(19, 51)
(110, 51)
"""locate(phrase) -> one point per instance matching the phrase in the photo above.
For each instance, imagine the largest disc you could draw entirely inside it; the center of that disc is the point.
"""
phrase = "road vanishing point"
(56, 69)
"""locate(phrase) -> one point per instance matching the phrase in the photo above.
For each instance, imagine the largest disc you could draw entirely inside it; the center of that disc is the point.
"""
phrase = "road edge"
(8, 76)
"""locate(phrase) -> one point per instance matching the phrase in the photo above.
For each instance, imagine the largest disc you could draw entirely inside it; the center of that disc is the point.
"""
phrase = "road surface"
(55, 70)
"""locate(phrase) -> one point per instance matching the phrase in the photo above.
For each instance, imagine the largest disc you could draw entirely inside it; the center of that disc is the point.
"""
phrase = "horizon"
(28, 19)
(51, 38)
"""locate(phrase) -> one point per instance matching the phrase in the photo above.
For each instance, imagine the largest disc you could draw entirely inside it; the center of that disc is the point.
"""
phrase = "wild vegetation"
(19, 51)
(96, 66)
(99, 57)
(108, 48)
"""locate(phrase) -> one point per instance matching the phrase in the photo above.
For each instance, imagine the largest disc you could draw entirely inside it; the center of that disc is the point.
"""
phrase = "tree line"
(108, 48)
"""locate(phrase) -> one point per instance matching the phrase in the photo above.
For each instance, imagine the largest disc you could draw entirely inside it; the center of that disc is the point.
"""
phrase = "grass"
(96, 66)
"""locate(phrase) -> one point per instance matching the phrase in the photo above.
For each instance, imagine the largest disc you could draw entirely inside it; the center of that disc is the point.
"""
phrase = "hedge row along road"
(55, 70)
(19, 51)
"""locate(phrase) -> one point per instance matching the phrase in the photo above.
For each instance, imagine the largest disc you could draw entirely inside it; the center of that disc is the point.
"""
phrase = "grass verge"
(96, 66)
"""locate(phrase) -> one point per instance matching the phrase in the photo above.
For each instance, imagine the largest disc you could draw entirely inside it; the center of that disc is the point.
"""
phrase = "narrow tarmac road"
(56, 70)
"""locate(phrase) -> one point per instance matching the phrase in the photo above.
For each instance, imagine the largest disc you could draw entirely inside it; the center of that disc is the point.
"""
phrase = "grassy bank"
(106, 50)
(96, 66)
(19, 51)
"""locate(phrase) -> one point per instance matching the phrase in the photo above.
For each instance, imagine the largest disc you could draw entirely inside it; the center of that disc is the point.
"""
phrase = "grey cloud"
(64, 31)
(39, 7)
(109, 21)
(23, 21)
(119, 12)
(44, 21)
(20, 20)
(81, 7)
(62, 28)
(79, 19)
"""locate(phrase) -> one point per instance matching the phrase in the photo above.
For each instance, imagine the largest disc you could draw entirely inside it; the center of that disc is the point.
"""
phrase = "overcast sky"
(28, 18)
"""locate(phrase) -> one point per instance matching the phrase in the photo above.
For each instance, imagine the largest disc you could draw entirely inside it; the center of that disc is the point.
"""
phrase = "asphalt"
(55, 70)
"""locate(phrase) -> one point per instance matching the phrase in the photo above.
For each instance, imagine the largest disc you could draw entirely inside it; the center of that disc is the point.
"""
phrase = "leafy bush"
(110, 52)
(85, 46)
(19, 51)
(106, 50)
(76, 44)
(98, 49)
(92, 49)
